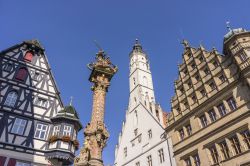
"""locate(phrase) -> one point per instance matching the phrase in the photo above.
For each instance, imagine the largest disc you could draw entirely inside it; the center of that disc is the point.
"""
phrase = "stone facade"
(96, 134)
(209, 121)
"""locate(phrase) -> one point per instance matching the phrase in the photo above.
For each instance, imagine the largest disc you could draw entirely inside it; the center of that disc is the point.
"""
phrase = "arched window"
(157, 114)
(22, 74)
(11, 99)
(28, 56)
(135, 118)
(145, 81)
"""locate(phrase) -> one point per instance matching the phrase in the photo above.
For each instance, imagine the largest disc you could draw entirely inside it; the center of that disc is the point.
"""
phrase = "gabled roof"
(35, 43)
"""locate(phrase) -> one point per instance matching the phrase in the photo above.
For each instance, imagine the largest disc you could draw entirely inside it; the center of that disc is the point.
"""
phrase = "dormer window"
(189, 84)
(186, 104)
(222, 78)
(193, 65)
(201, 59)
(28, 56)
(197, 77)
(212, 85)
(182, 90)
(215, 63)
(194, 98)
(21, 74)
(185, 71)
(203, 92)
(178, 110)
(8, 67)
(206, 71)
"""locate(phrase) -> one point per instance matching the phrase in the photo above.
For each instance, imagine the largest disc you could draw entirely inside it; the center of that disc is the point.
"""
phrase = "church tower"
(140, 142)
(140, 82)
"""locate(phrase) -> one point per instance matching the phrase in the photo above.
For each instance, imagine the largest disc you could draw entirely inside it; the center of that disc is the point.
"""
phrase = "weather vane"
(71, 101)
(98, 45)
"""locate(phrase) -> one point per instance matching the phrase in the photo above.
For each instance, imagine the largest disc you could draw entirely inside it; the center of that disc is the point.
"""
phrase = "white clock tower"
(140, 142)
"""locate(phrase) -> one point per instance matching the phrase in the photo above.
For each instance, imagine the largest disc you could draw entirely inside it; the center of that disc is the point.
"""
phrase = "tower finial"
(228, 26)
(137, 46)
(185, 43)
(71, 101)
(136, 41)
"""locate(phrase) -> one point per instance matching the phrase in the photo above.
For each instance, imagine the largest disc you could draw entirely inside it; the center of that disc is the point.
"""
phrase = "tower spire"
(137, 46)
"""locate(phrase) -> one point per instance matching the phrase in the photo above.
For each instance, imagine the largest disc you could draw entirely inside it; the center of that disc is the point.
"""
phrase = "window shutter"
(21, 74)
(12, 162)
(28, 56)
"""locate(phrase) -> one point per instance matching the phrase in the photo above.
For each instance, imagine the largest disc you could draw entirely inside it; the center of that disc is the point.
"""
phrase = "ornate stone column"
(96, 134)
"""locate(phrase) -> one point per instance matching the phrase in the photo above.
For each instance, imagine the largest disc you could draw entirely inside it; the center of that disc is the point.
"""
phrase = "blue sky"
(67, 30)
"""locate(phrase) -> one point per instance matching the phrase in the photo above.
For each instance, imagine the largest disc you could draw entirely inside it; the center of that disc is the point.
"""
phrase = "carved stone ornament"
(96, 134)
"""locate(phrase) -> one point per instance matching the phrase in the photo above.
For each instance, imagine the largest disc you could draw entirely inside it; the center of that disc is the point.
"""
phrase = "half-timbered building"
(32, 132)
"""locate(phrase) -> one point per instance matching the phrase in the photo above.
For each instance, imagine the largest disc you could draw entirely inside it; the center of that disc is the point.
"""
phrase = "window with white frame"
(67, 130)
(19, 126)
(19, 163)
(11, 99)
(41, 130)
(56, 130)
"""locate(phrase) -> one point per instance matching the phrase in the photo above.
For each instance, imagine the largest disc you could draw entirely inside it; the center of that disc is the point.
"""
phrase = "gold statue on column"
(96, 133)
